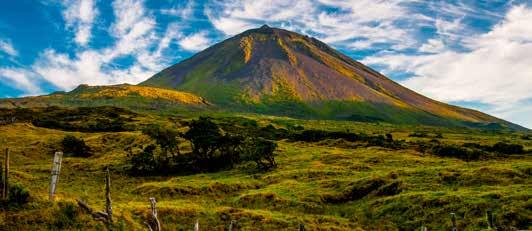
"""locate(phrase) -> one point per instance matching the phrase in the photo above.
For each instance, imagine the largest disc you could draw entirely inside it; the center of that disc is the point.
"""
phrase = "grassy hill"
(329, 184)
(126, 96)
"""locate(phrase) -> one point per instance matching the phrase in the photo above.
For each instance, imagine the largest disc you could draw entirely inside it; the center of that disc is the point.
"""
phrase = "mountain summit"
(275, 71)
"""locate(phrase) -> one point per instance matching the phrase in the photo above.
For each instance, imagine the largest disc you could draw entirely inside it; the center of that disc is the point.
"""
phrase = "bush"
(419, 134)
(83, 119)
(18, 195)
(456, 152)
(505, 148)
(319, 135)
(272, 133)
(75, 147)
(66, 215)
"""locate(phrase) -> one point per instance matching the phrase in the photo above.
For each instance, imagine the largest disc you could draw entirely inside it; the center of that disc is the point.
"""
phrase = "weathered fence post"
(108, 208)
(423, 228)
(453, 220)
(232, 225)
(154, 224)
(489, 217)
(56, 168)
(5, 191)
(196, 226)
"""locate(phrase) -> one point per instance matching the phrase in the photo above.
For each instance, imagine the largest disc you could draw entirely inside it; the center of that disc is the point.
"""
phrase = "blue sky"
(476, 54)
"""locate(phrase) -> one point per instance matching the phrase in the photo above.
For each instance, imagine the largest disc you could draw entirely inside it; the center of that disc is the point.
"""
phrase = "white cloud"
(195, 42)
(357, 24)
(432, 46)
(80, 14)
(21, 79)
(134, 30)
(185, 11)
(7, 47)
(496, 71)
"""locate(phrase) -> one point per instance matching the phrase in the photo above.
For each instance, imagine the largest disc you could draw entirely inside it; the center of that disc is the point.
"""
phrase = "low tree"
(212, 147)
(206, 139)
(144, 162)
(260, 151)
(167, 139)
(229, 148)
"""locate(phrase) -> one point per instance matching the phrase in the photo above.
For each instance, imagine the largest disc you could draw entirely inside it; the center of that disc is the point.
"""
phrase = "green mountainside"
(274, 71)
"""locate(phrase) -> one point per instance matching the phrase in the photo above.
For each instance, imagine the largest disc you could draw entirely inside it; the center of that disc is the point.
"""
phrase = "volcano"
(275, 71)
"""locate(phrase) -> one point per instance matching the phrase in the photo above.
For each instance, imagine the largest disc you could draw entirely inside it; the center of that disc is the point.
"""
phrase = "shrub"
(65, 215)
(75, 147)
(106, 125)
(455, 151)
(18, 195)
(83, 119)
(505, 148)
(419, 134)
(318, 135)
(389, 137)
(272, 133)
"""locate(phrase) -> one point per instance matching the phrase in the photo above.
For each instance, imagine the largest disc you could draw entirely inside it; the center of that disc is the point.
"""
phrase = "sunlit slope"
(123, 95)
(269, 70)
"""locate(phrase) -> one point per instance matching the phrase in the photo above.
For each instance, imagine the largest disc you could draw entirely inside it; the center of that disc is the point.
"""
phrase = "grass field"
(325, 185)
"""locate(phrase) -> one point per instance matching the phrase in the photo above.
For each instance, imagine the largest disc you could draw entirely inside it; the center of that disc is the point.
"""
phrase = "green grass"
(432, 187)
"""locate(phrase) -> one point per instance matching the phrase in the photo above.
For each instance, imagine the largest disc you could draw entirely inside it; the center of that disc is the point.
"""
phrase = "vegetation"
(260, 151)
(18, 195)
(330, 175)
(83, 119)
(166, 139)
(74, 146)
(212, 149)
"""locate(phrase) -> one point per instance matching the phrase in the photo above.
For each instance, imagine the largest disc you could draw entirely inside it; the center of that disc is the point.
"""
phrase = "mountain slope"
(270, 70)
(124, 95)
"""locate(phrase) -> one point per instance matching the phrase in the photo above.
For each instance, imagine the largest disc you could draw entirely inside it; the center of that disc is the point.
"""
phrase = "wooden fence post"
(108, 208)
(155, 225)
(489, 217)
(196, 226)
(453, 220)
(5, 191)
(56, 168)
(232, 225)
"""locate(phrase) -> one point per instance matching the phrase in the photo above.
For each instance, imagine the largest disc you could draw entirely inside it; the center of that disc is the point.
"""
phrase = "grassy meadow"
(331, 184)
